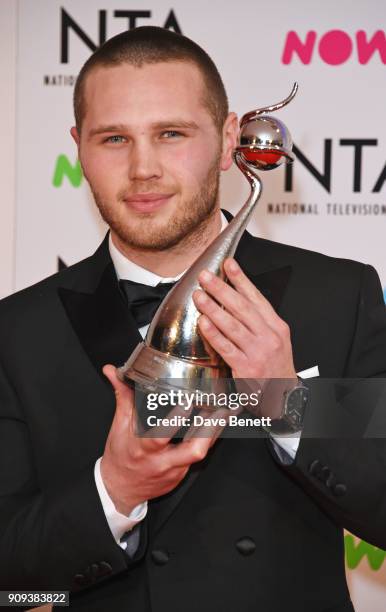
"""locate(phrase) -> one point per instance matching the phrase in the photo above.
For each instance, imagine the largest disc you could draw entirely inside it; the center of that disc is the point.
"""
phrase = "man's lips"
(147, 202)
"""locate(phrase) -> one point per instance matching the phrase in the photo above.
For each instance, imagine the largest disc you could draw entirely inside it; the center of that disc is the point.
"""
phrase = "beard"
(147, 233)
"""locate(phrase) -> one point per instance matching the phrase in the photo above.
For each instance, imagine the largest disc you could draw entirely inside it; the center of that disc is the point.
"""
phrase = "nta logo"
(131, 17)
(334, 47)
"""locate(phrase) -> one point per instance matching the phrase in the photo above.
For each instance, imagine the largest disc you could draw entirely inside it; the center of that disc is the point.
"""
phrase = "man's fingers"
(242, 283)
(231, 354)
(239, 298)
(230, 326)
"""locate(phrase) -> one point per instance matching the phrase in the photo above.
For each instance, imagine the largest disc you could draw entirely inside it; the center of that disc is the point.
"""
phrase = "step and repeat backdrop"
(332, 200)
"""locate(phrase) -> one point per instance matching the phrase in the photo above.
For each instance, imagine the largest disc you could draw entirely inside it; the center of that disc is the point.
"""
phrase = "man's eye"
(115, 139)
(170, 134)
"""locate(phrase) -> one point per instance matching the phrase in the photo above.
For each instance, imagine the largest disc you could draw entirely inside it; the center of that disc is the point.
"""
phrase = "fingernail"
(232, 265)
(200, 296)
(206, 276)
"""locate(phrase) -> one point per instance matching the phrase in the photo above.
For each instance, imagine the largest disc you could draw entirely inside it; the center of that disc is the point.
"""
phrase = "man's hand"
(241, 325)
(136, 469)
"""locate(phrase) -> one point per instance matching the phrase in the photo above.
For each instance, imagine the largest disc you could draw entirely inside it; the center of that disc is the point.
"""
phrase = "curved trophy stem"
(269, 109)
(179, 336)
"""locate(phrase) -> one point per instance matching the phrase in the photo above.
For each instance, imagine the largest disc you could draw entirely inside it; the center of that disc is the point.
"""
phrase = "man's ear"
(75, 134)
(230, 134)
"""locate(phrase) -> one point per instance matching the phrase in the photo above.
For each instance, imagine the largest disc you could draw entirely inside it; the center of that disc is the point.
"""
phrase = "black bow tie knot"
(143, 300)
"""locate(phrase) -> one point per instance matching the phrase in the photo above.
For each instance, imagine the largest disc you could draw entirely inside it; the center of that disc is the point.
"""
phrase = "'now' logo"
(334, 47)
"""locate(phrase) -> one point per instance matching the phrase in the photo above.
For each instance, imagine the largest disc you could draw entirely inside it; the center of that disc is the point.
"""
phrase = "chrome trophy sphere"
(173, 354)
(265, 143)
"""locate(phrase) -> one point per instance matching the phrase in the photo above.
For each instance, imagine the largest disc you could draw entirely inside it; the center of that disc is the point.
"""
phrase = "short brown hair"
(150, 45)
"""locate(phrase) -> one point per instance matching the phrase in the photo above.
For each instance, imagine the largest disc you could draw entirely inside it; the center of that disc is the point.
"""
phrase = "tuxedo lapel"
(273, 284)
(102, 321)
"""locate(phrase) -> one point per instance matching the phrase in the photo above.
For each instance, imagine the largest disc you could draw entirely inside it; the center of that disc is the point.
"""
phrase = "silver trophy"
(174, 355)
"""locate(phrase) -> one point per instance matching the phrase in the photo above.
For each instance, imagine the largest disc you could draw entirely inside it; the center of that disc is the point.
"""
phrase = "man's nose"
(144, 163)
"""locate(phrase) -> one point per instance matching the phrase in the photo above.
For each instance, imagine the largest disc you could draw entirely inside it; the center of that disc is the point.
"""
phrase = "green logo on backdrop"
(64, 168)
(356, 551)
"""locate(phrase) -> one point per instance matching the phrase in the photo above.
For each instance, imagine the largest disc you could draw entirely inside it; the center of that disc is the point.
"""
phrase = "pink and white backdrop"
(333, 200)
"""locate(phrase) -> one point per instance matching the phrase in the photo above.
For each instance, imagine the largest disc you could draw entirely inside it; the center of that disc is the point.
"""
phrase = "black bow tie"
(143, 300)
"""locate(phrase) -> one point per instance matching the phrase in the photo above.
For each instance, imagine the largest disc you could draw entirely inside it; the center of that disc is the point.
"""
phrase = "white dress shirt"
(120, 523)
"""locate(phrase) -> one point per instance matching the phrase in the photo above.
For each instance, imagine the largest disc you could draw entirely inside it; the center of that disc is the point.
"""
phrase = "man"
(128, 523)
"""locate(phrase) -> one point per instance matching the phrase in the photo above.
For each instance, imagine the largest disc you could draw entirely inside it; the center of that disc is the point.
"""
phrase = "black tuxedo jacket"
(242, 531)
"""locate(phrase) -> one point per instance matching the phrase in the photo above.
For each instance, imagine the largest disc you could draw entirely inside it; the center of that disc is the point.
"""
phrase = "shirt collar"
(127, 269)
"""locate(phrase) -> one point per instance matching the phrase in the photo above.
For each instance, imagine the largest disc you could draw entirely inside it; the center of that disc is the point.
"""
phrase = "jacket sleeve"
(56, 538)
(341, 459)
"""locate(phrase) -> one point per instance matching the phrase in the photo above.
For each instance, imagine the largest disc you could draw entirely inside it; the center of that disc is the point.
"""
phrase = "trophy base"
(154, 371)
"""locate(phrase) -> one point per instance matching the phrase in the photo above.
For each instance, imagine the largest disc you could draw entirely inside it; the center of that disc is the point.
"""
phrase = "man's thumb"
(123, 393)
